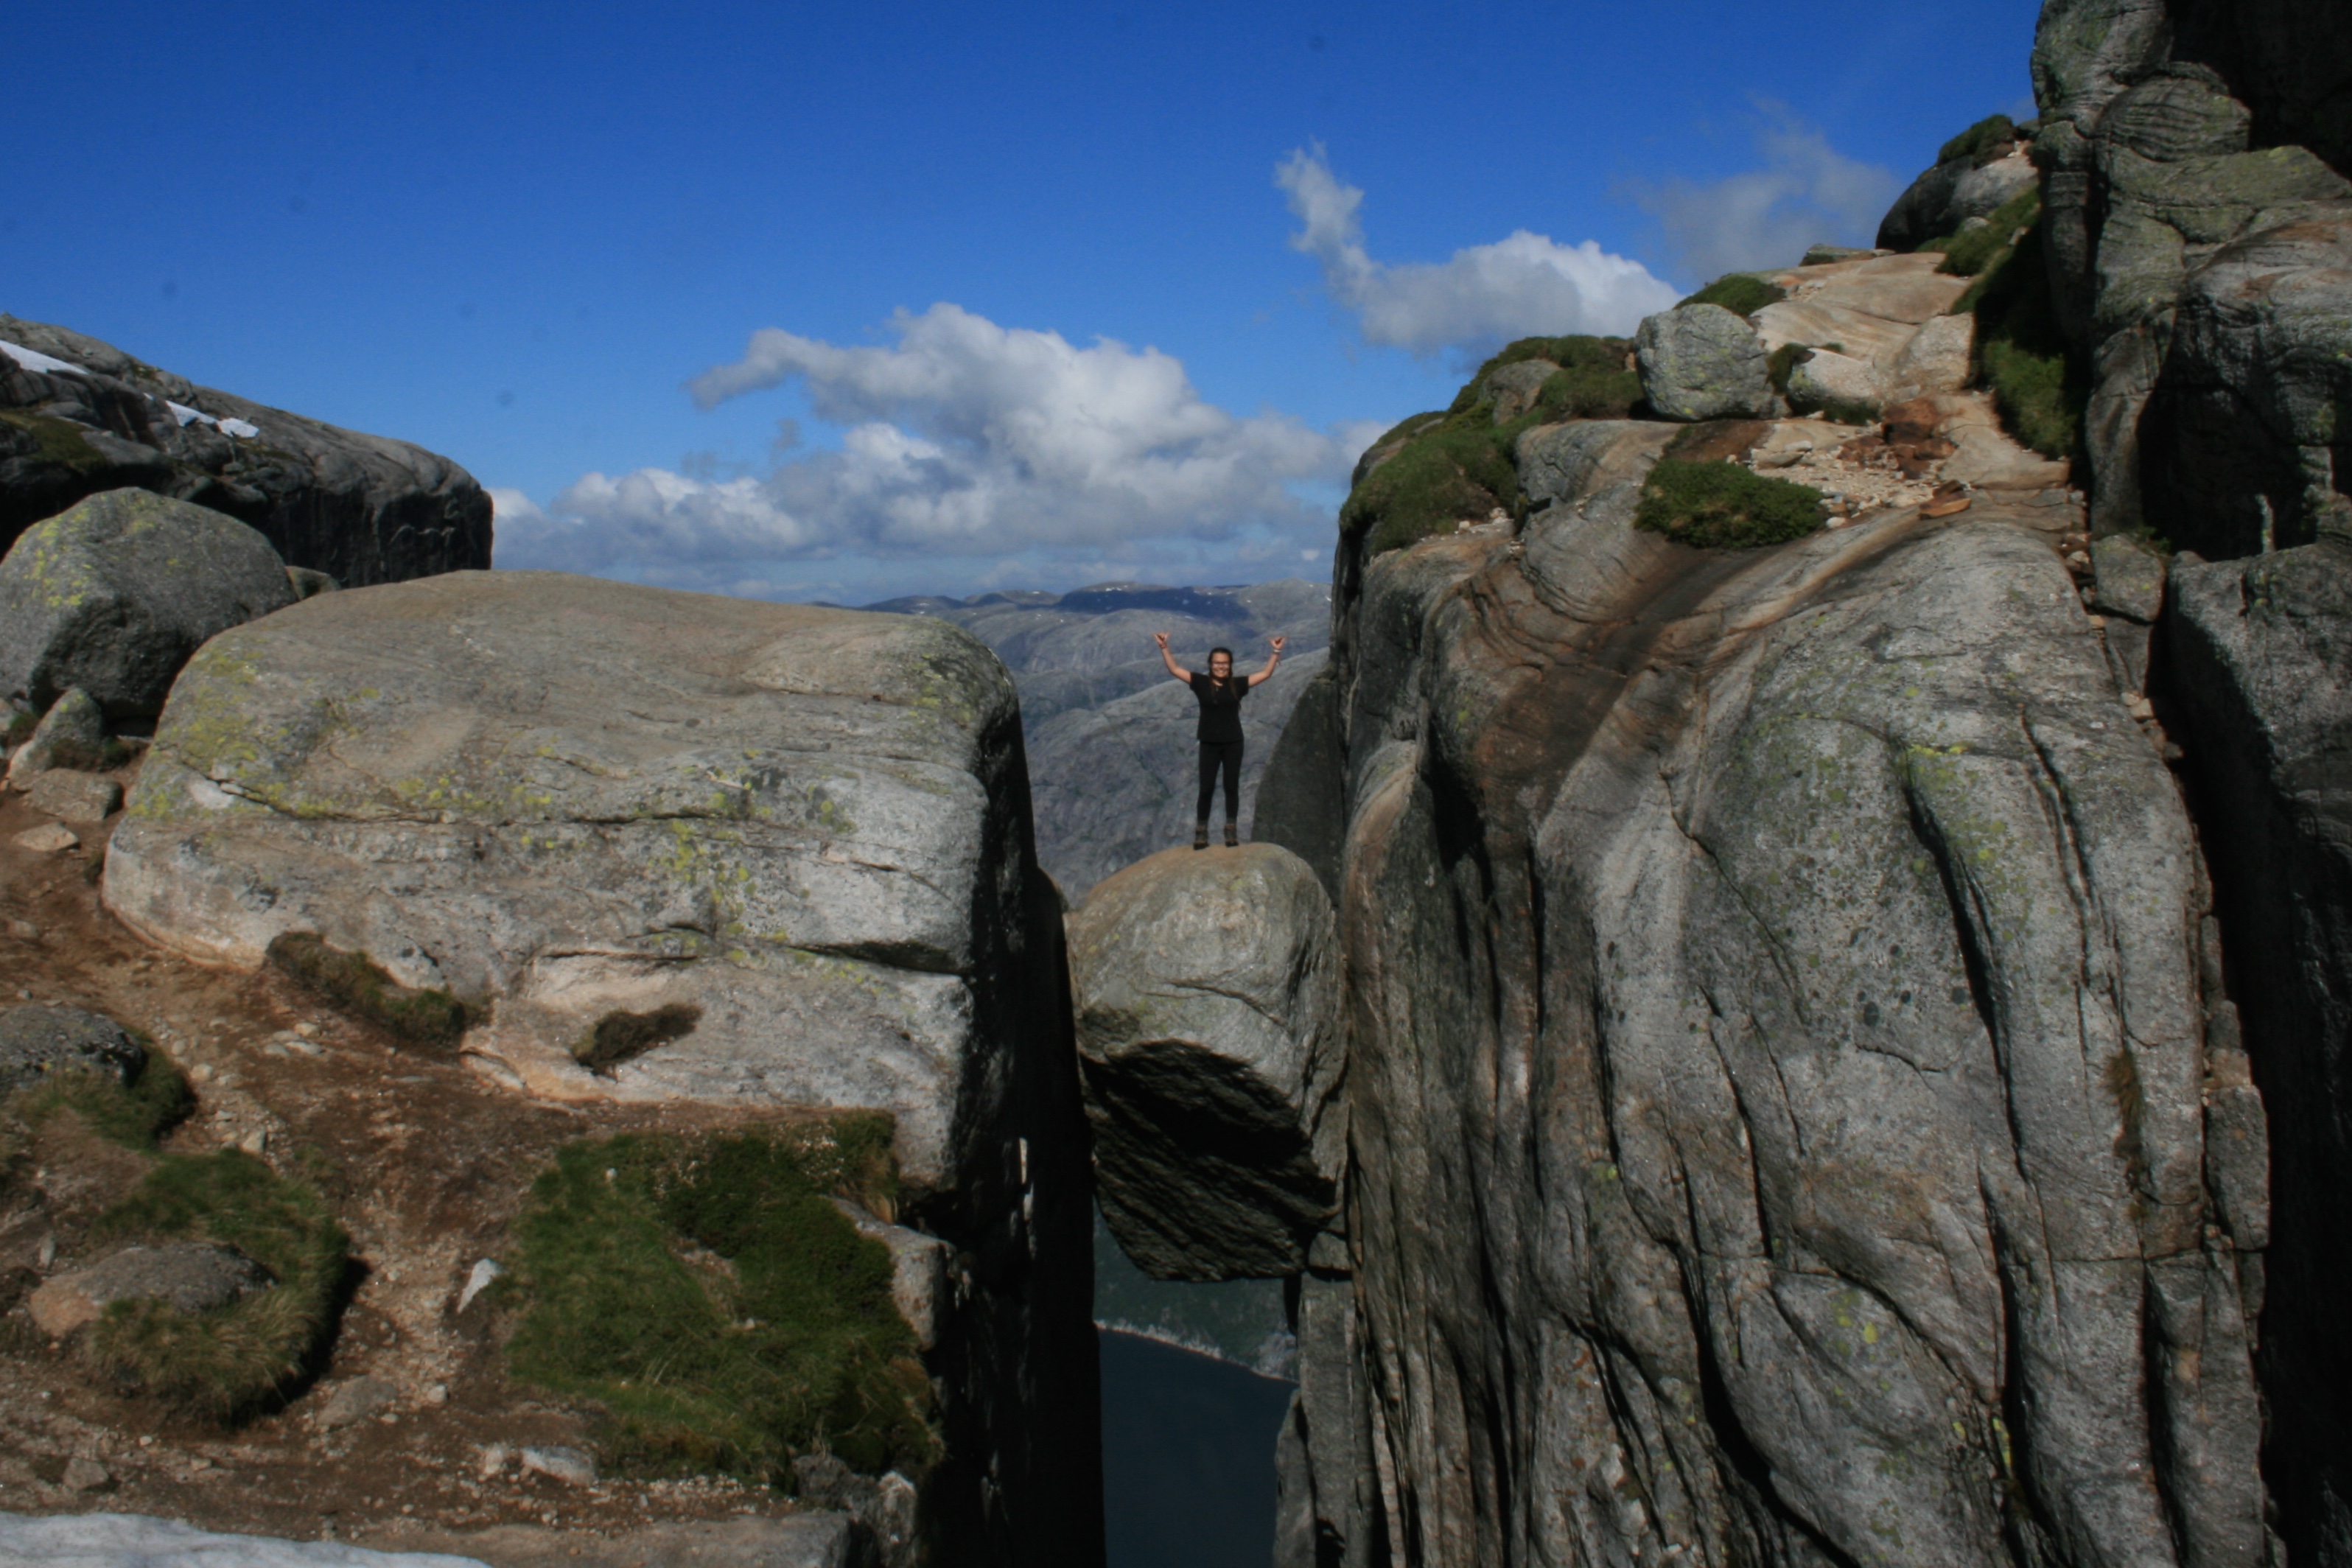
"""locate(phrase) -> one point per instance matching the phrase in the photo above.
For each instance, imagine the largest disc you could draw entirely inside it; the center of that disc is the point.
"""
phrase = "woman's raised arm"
(1174, 668)
(1271, 660)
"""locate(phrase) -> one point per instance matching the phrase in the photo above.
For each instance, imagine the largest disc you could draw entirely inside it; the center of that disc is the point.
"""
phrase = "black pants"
(1215, 755)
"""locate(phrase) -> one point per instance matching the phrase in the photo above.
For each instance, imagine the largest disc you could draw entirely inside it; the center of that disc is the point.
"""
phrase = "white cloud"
(963, 438)
(1807, 192)
(1518, 287)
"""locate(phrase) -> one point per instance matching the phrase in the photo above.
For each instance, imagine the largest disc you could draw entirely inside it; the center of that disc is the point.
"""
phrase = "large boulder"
(1205, 987)
(1972, 182)
(1702, 361)
(2258, 651)
(79, 417)
(113, 595)
(797, 839)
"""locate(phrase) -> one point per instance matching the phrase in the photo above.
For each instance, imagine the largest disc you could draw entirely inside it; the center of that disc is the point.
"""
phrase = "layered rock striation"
(781, 854)
(79, 417)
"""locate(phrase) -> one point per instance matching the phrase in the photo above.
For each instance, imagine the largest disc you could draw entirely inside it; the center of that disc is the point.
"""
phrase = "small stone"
(24, 931)
(306, 1030)
(570, 1466)
(72, 795)
(85, 1476)
(436, 1394)
(193, 1278)
(494, 1460)
(357, 1401)
(478, 1281)
(49, 839)
(74, 726)
(256, 1142)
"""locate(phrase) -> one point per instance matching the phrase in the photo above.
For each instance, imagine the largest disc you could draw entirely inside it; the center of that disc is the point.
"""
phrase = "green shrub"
(2037, 385)
(1982, 137)
(359, 985)
(1725, 506)
(1594, 357)
(1975, 252)
(242, 1357)
(1741, 293)
(1461, 468)
(722, 1312)
(1589, 392)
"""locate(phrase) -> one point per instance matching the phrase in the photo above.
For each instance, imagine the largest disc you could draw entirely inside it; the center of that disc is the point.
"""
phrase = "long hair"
(1213, 662)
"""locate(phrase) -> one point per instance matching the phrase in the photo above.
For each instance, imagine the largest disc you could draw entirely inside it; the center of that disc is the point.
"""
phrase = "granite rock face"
(1205, 985)
(1973, 185)
(2258, 652)
(1701, 362)
(562, 797)
(79, 417)
(2196, 211)
(114, 594)
(1779, 998)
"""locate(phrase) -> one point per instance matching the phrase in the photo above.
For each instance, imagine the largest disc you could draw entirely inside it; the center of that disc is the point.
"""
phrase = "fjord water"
(1188, 1457)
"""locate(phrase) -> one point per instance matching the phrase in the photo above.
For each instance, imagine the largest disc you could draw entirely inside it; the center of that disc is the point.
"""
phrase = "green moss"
(244, 1356)
(2038, 386)
(1461, 468)
(1975, 252)
(1741, 293)
(357, 985)
(619, 1035)
(1584, 359)
(1725, 506)
(723, 1315)
(1982, 137)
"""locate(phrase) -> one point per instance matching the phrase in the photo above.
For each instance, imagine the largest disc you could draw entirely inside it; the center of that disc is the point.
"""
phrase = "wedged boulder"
(2258, 651)
(36, 1041)
(799, 835)
(1205, 984)
(112, 595)
(79, 417)
(72, 733)
(1701, 362)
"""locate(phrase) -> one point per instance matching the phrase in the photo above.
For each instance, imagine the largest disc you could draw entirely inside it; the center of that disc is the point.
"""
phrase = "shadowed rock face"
(362, 509)
(1205, 988)
(2257, 655)
(806, 829)
(1777, 1069)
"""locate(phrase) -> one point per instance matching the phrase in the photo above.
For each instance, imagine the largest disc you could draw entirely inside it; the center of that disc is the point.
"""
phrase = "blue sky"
(1044, 297)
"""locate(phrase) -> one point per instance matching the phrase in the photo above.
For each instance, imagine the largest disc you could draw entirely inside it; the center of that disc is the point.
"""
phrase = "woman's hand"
(1271, 660)
(1174, 668)
(1277, 643)
(1161, 638)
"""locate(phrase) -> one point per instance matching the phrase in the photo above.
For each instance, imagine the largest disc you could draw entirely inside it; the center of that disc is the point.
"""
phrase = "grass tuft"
(1725, 506)
(1741, 293)
(247, 1355)
(619, 1035)
(359, 985)
(133, 1116)
(722, 1314)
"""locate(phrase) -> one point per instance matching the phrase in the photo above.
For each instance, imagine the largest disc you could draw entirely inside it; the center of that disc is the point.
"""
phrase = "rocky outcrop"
(800, 834)
(79, 417)
(1781, 1014)
(37, 1041)
(1205, 986)
(114, 594)
(2256, 653)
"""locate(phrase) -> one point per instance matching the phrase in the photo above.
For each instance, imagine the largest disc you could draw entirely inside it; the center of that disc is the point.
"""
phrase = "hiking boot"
(1199, 836)
(1233, 836)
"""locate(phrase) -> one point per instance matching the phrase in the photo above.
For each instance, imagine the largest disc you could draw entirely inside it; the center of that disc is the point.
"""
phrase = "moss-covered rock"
(1725, 506)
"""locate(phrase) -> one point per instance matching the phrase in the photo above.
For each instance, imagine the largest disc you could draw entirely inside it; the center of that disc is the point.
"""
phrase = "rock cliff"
(79, 417)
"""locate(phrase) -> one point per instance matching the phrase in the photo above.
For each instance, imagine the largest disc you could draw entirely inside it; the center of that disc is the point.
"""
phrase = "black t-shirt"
(1221, 706)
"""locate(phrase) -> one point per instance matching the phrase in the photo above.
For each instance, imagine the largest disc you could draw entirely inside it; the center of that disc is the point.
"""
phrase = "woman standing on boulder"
(1220, 694)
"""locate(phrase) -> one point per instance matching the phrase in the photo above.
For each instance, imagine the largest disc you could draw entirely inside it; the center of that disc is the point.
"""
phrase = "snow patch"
(39, 362)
